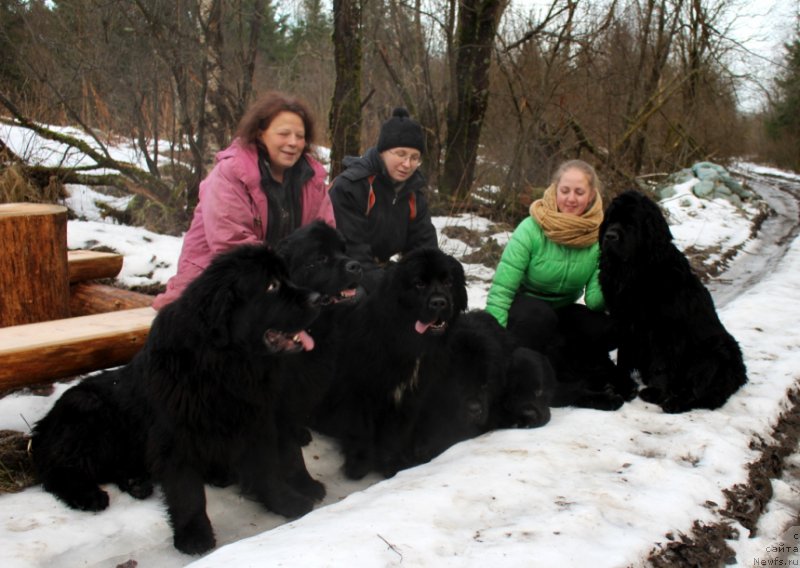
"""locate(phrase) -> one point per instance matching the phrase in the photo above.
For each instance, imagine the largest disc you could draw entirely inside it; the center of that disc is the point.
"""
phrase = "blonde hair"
(594, 180)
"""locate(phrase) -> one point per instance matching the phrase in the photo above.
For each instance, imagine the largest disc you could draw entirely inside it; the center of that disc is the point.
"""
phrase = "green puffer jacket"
(535, 265)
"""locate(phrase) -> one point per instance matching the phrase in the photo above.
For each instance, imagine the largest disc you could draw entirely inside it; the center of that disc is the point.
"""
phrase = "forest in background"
(639, 88)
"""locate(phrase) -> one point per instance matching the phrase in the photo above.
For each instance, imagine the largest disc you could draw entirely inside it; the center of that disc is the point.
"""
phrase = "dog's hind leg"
(75, 447)
(136, 487)
(185, 498)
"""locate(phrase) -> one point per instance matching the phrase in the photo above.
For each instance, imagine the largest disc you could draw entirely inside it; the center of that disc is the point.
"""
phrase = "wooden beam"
(90, 265)
(43, 352)
(87, 298)
(33, 263)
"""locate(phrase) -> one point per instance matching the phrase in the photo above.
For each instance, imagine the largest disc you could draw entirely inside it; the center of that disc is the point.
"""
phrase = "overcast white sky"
(763, 26)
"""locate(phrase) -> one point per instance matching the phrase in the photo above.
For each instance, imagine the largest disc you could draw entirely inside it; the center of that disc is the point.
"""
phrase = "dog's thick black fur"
(315, 256)
(199, 399)
(488, 384)
(394, 345)
(669, 328)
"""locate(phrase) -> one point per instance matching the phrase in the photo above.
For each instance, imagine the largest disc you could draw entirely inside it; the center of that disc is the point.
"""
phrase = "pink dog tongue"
(306, 340)
(421, 327)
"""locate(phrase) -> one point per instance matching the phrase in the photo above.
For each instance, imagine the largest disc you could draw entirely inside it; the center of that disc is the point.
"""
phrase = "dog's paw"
(602, 400)
(310, 488)
(651, 395)
(676, 405)
(290, 504)
(356, 468)
(90, 500)
(626, 387)
(195, 538)
(138, 488)
(608, 401)
(303, 436)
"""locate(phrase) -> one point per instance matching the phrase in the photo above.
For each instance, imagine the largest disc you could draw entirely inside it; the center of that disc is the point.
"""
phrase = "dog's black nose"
(353, 267)
(611, 236)
(437, 303)
(313, 300)
(532, 415)
(474, 410)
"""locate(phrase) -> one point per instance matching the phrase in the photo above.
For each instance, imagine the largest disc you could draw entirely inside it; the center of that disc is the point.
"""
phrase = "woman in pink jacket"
(263, 186)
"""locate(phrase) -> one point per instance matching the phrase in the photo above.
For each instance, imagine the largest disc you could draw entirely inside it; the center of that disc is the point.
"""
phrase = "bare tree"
(345, 115)
(475, 32)
(181, 72)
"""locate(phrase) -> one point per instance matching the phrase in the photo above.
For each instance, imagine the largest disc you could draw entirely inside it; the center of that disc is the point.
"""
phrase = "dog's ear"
(459, 284)
(656, 235)
(217, 316)
(285, 247)
(657, 223)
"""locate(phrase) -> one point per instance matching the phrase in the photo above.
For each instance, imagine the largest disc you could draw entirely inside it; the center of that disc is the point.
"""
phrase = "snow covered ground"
(591, 487)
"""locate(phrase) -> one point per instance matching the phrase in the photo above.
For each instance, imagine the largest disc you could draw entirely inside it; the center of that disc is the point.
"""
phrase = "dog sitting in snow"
(669, 329)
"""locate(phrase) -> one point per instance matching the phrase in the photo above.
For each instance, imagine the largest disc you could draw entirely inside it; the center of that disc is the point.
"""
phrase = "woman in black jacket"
(378, 200)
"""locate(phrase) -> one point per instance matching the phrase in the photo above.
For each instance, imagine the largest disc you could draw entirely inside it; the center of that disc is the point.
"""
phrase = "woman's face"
(401, 162)
(285, 140)
(573, 192)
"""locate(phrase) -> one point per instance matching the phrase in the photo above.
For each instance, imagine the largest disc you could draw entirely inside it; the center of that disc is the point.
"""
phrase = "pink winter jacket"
(232, 210)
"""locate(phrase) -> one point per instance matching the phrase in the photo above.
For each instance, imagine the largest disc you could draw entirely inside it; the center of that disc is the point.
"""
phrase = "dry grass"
(16, 467)
(16, 187)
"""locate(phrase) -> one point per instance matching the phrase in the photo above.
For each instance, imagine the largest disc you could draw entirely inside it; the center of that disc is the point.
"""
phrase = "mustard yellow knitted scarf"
(569, 230)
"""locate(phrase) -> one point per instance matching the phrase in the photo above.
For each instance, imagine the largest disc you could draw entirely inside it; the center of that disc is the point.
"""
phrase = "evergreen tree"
(783, 119)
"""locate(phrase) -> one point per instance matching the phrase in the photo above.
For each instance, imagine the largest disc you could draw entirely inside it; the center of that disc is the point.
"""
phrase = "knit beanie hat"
(401, 131)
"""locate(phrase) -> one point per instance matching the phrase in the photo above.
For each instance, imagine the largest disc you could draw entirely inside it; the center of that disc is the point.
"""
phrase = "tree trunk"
(34, 283)
(345, 116)
(477, 25)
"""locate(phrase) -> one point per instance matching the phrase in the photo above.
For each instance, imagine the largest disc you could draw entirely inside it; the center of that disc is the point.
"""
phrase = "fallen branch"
(130, 178)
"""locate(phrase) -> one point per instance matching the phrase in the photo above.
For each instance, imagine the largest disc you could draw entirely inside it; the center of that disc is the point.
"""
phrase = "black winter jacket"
(397, 222)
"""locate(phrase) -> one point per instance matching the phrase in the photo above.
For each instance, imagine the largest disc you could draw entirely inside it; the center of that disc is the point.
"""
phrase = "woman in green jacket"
(551, 262)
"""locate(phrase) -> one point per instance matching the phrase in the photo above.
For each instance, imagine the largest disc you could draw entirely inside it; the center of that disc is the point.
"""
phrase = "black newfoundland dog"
(315, 256)
(669, 329)
(196, 404)
(488, 384)
(393, 346)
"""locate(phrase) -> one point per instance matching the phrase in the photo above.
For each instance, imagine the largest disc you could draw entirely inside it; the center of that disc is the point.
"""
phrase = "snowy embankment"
(599, 488)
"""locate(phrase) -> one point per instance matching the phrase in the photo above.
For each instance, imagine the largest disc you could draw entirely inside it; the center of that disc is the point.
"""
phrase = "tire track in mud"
(770, 237)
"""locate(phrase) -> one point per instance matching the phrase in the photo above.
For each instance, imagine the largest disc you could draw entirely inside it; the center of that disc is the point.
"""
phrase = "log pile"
(56, 321)
(86, 297)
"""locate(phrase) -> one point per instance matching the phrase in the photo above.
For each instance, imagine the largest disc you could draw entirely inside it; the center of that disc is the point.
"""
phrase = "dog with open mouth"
(316, 258)
(393, 345)
(195, 405)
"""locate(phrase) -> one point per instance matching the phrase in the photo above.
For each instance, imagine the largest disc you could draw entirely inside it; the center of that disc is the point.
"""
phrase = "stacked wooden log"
(87, 297)
(56, 321)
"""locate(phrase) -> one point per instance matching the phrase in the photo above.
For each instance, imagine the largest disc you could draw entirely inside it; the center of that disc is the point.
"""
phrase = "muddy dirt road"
(773, 239)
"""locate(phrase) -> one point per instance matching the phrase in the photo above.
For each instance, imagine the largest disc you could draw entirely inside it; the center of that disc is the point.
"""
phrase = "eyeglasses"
(402, 155)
